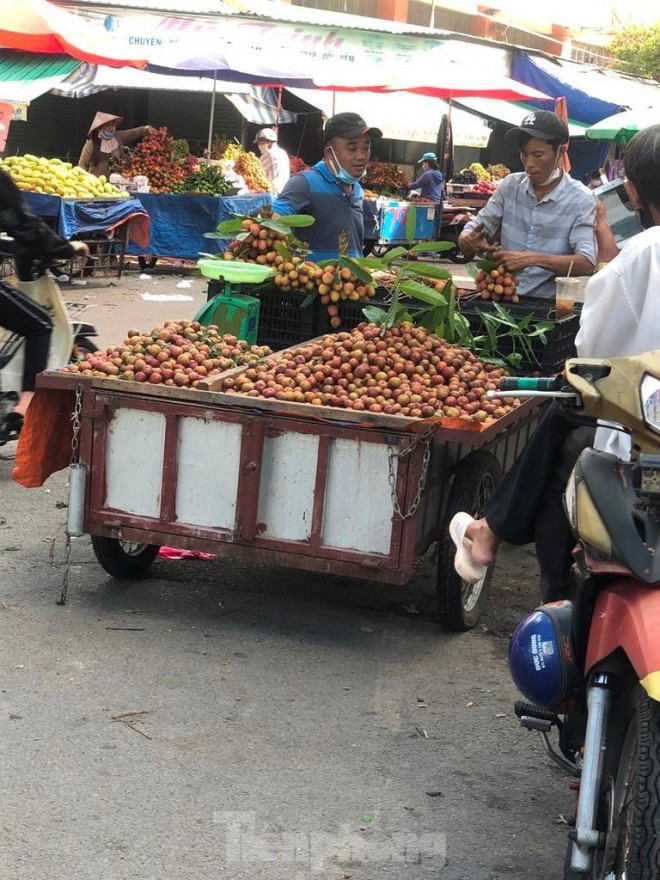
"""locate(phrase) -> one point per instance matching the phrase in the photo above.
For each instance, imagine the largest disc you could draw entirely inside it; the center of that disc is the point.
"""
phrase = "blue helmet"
(542, 656)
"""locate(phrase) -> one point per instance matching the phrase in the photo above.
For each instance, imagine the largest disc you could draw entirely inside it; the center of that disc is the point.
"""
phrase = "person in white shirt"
(274, 159)
(621, 317)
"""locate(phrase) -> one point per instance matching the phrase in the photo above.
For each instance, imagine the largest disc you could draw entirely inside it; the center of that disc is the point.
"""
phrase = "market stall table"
(179, 221)
(106, 224)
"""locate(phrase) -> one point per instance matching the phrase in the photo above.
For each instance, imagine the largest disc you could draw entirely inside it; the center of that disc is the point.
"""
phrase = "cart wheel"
(460, 603)
(124, 559)
(379, 250)
(457, 256)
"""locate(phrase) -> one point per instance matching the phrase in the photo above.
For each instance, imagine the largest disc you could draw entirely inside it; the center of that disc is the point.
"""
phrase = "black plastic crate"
(560, 339)
(283, 322)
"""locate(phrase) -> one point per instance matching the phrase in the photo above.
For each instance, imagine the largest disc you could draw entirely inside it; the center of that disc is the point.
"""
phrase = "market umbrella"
(621, 127)
(561, 109)
(40, 26)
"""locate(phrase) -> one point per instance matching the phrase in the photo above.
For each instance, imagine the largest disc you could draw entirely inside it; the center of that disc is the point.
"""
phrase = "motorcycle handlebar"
(515, 383)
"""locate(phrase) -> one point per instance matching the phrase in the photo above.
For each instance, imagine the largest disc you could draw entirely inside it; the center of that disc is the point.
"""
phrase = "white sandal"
(464, 564)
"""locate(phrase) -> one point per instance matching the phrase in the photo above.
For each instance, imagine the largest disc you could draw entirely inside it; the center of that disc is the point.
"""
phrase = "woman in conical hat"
(105, 142)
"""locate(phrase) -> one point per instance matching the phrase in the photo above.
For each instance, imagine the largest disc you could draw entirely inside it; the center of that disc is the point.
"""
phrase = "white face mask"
(264, 146)
(554, 174)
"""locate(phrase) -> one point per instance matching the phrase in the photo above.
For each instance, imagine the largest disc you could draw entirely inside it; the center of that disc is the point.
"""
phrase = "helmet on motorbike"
(542, 656)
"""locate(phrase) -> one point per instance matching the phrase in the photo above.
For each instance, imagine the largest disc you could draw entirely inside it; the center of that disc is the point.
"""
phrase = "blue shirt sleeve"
(420, 181)
(295, 197)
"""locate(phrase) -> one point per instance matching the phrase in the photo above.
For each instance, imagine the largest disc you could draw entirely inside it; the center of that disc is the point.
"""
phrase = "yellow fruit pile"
(52, 176)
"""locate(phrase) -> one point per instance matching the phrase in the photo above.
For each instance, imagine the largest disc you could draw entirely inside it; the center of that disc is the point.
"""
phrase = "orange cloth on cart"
(138, 228)
(44, 444)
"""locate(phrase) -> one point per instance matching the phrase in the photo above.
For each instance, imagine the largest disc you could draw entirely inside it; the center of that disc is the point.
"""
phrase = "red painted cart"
(272, 482)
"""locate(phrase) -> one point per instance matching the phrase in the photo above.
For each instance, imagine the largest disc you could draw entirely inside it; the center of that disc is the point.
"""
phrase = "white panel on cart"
(358, 503)
(135, 445)
(208, 461)
(286, 489)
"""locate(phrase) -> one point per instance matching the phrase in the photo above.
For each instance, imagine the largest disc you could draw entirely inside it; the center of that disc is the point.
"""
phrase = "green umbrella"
(623, 126)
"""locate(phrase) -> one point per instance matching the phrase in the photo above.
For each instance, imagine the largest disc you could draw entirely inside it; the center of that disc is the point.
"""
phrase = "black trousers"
(20, 314)
(528, 504)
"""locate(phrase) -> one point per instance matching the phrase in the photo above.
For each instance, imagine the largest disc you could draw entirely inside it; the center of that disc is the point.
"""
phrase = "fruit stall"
(270, 460)
(80, 205)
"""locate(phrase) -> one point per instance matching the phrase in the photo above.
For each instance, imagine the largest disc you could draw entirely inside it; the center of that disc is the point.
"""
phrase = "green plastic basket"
(234, 272)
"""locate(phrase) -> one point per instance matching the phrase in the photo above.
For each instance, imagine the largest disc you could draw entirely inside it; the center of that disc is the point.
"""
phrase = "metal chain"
(75, 454)
(423, 438)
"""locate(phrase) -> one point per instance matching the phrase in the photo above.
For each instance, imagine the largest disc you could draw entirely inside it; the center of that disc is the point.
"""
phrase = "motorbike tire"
(460, 604)
(123, 559)
(457, 256)
(82, 346)
(637, 793)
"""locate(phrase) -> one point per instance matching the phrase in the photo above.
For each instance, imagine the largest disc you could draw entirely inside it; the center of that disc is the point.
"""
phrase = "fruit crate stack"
(560, 339)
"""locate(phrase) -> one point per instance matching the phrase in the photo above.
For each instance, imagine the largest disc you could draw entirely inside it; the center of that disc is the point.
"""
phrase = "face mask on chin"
(340, 173)
(554, 174)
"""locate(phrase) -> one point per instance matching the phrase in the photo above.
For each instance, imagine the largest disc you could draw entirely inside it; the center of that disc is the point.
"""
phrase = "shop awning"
(583, 103)
(401, 116)
(610, 86)
(90, 78)
(259, 105)
(25, 75)
(510, 112)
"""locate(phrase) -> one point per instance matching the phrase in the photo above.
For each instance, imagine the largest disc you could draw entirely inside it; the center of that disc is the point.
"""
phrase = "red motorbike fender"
(627, 616)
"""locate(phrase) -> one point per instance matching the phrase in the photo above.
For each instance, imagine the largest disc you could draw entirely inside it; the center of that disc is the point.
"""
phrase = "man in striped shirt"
(542, 218)
(331, 191)
(274, 159)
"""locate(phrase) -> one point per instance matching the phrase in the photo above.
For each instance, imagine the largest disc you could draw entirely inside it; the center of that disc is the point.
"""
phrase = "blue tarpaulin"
(179, 221)
(76, 218)
(581, 106)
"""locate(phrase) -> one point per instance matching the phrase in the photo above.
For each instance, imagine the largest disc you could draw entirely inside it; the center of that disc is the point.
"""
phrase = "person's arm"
(295, 197)
(133, 134)
(475, 236)
(85, 160)
(609, 323)
(608, 249)
(558, 264)
(34, 236)
(582, 259)
(419, 182)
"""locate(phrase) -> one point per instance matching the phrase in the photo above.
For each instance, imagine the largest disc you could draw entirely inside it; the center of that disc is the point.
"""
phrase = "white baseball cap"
(266, 134)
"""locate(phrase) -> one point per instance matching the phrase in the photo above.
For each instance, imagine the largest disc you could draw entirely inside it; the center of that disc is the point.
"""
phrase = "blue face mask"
(342, 174)
(108, 133)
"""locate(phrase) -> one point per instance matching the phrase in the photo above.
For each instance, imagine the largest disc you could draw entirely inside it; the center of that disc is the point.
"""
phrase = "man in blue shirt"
(542, 217)
(429, 183)
(331, 191)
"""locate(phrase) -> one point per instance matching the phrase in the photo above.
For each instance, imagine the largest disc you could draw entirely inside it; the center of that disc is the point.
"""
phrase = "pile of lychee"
(178, 353)
(405, 370)
(498, 284)
(256, 244)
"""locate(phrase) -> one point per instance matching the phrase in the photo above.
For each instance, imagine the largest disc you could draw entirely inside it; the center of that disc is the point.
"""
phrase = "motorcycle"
(452, 223)
(589, 666)
(70, 339)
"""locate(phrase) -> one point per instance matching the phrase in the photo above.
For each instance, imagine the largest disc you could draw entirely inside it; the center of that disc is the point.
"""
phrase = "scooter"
(70, 339)
(452, 223)
(590, 666)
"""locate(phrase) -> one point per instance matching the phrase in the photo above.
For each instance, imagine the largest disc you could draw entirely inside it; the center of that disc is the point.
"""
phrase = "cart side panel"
(134, 454)
(286, 487)
(208, 463)
(358, 502)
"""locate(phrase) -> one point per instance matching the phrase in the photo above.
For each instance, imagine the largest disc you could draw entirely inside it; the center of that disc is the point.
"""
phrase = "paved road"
(224, 721)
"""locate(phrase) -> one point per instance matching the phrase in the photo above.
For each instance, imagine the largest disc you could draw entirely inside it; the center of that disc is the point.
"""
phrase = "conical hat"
(102, 119)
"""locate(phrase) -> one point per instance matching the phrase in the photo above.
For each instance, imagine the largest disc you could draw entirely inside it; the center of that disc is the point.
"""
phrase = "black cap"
(348, 125)
(543, 124)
